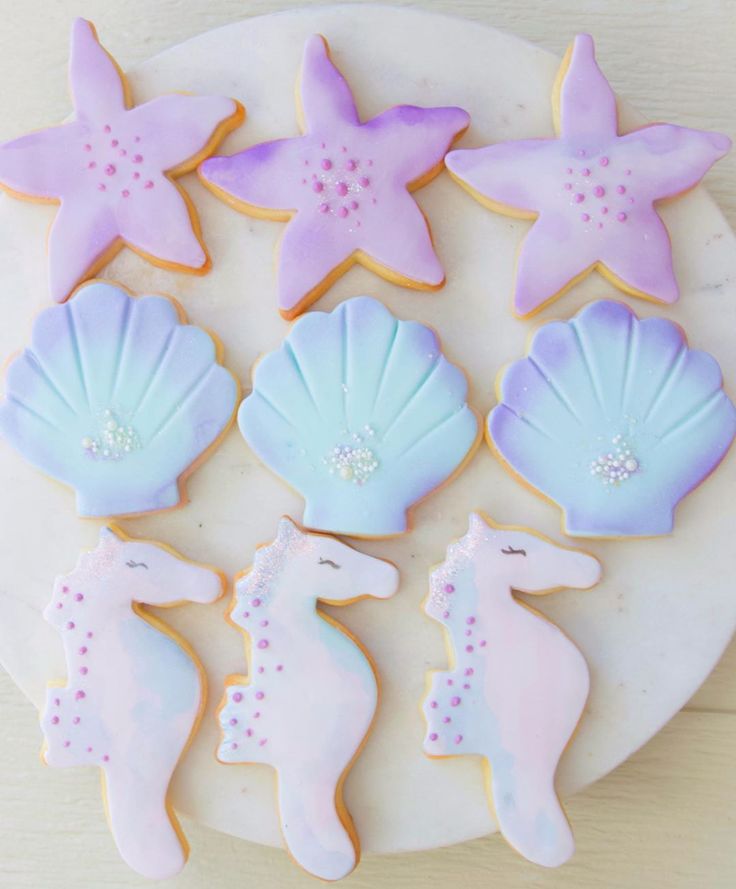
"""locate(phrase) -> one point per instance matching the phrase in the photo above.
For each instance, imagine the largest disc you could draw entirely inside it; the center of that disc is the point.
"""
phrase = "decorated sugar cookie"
(362, 414)
(614, 419)
(134, 692)
(111, 169)
(591, 191)
(117, 397)
(518, 685)
(308, 702)
(343, 186)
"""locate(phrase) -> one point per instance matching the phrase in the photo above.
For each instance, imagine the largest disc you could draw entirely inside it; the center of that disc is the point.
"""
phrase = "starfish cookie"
(343, 186)
(591, 191)
(111, 170)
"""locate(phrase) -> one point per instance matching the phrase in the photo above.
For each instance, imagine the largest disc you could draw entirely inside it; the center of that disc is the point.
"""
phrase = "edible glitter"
(616, 466)
(113, 440)
(354, 462)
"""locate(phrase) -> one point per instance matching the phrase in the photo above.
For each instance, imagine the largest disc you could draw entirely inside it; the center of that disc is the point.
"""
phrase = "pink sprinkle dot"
(83, 650)
(107, 128)
(80, 695)
(114, 143)
(70, 625)
(91, 165)
(449, 588)
(353, 205)
(455, 701)
(342, 212)
(445, 614)
(317, 186)
(249, 732)
(246, 614)
(256, 603)
(65, 589)
(84, 670)
(263, 643)
(67, 743)
(89, 750)
(279, 667)
(374, 200)
(578, 198)
(234, 745)
(233, 721)
(604, 210)
(622, 217)
(482, 643)
(137, 139)
(446, 719)
(568, 170)
(450, 682)
(350, 165)
(342, 189)
(323, 145)
(585, 172)
(603, 161)
(136, 175)
(470, 621)
(59, 604)
(466, 685)
(585, 217)
(470, 648)
(76, 720)
(261, 669)
(54, 720)
(600, 225)
(581, 152)
(257, 715)
(263, 742)
(79, 597)
(125, 193)
(110, 169)
(568, 186)
(458, 738)
(264, 623)
(364, 182)
(433, 736)
(468, 632)
(87, 147)
(137, 158)
(122, 152)
(370, 163)
(627, 172)
(632, 201)
(237, 697)
(149, 184)
(326, 164)
(323, 208)
(469, 671)
(621, 189)
(260, 696)
(106, 758)
(433, 704)
(599, 191)
(102, 187)
(90, 634)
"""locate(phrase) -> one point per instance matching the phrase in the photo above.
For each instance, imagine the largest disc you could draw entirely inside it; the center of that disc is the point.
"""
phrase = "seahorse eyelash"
(510, 551)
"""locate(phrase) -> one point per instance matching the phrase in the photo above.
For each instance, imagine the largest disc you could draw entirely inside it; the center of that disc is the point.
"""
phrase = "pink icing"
(331, 222)
(533, 176)
(102, 202)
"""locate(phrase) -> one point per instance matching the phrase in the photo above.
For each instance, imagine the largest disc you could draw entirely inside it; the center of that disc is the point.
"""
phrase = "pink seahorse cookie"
(112, 168)
(134, 693)
(518, 685)
(591, 191)
(308, 702)
(343, 186)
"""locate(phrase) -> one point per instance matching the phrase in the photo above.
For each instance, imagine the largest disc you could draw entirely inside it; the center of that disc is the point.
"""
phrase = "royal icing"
(518, 684)
(590, 190)
(118, 398)
(613, 418)
(362, 414)
(311, 692)
(133, 694)
(110, 169)
(343, 185)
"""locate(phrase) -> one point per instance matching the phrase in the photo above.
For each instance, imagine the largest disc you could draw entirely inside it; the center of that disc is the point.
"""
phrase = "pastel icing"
(118, 398)
(311, 693)
(111, 169)
(362, 414)
(133, 694)
(590, 190)
(518, 684)
(613, 418)
(343, 186)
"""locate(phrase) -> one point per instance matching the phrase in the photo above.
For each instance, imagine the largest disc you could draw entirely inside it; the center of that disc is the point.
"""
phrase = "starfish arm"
(38, 164)
(98, 87)
(505, 174)
(262, 177)
(671, 158)
(585, 103)
(174, 130)
(311, 254)
(79, 238)
(159, 223)
(415, 140)
(325, 97)
(548, 263)
(402, 244)
(640, 256)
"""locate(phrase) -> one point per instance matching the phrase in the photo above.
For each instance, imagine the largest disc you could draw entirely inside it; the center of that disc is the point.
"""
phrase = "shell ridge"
(386, 361)
(435, 429)
(670, 375)
(181, 402)
(524, 419)
(74, 337)
(289, 349)
(632, 350)
(35, 363)
(270, 404)
(157, 364)
(696, 415)
(594, 382)
(559, 394)
(422, 383)
(13, 399)
(121, 347)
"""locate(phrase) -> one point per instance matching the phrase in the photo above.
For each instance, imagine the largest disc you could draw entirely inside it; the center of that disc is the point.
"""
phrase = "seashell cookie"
(362, 414)
(117, 397)
(614, 419)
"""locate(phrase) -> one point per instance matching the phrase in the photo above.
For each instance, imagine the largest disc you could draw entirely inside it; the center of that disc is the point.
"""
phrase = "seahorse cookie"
(343, 186)
(362, 414)
(308, 702)
(112, 170)
(613, 418)
(591, 192)
(134, 692)
(518, 684)
(119, 398)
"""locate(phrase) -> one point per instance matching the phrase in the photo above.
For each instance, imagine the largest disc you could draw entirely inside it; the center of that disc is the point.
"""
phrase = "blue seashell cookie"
(117, 397)
(362, 414)
(614, 418)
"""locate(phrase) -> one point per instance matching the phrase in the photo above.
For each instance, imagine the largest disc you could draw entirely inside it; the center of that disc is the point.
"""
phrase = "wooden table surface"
(665, 818)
